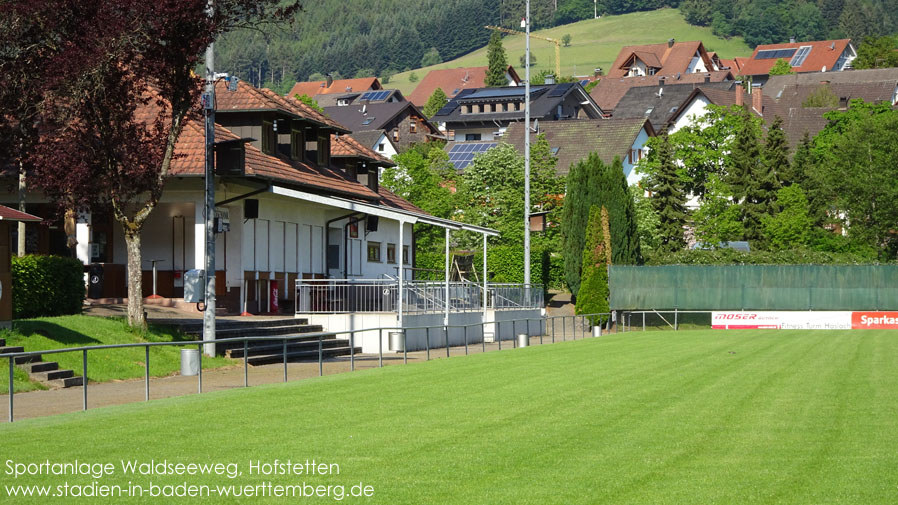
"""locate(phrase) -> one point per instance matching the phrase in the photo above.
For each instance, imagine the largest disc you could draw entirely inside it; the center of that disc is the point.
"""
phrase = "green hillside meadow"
(692, 417)
(594, 43)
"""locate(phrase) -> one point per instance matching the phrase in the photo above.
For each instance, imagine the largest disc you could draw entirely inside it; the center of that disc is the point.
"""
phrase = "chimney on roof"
(329, 81)
(597, 72)
(791, 40)
(708, 77)
(757, 102)
(661, 80)
(739, 92)
(348, 89)
(670, 42)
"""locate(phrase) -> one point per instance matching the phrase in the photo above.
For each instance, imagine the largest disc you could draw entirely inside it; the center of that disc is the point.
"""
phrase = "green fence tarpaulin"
(755, 287)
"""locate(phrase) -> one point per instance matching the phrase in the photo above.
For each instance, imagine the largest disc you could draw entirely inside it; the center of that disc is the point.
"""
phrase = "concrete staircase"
(265, 351)
(47, 373)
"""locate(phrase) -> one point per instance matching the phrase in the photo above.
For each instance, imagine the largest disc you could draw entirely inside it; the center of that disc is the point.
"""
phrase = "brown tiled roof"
(312, 88)
(190, 156)
(669, 59)
(344, 146)
(874, 92)
(9, 214)
(608, 92)
(248, 97)
(824, 53)
(451, 81)
(576, 139)
(776, 84)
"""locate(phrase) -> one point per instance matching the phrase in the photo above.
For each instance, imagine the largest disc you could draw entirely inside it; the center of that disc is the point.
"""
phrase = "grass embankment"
(102, 365)
(740, 417)
(594, 43)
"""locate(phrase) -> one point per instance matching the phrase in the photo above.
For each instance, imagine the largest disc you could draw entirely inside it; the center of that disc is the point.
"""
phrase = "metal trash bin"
(190, 361)
(596, 331)
(523, 340)
(397, 342)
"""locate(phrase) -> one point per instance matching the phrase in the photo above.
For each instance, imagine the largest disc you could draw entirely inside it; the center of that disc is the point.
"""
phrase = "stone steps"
(47, 373)
(303, 355)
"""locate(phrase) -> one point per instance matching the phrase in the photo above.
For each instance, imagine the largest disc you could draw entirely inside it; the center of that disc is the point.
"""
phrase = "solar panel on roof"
(517, 91)
(561, 89)
(773, 54)
(463, 154)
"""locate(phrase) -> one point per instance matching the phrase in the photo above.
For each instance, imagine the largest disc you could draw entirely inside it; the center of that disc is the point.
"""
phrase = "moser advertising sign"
(783, 320)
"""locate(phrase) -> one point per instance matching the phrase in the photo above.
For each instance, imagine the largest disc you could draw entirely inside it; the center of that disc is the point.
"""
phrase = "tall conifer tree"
(498, 63)
(668, 199)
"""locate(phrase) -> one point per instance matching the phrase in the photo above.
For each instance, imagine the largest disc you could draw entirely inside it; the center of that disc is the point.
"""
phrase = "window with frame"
(297, 145)
(405, 252)
(396, 135)
(268, 137)
(380, 147)
(374, 252)
(413, 126)
(472, 136)
(391, 253)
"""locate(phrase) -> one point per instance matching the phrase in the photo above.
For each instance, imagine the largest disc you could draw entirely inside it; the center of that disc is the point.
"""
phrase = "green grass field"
(702, 417)
(594, 43)
(105, 365)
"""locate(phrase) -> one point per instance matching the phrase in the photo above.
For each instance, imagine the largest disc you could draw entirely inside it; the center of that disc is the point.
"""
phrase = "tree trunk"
(21, 235)
(136, 317)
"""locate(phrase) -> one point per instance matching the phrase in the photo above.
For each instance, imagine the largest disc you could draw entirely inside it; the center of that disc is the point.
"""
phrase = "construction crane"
(554, 41)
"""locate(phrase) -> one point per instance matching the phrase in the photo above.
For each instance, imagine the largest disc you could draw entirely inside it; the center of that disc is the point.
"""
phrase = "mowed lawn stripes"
(737, 417)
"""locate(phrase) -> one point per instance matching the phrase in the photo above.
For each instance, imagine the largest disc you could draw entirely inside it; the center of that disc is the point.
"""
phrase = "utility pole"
(526, 22)
(209, 214)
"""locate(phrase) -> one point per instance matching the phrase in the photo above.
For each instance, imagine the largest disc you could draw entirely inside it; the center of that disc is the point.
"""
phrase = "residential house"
(483, 114)
(814, 56)
(670, 58)
(358, 97)
(659, 103)
(609, 91)
(330, 86)
(572, 141)
(378, 141)
(404, 123)
(453, 80)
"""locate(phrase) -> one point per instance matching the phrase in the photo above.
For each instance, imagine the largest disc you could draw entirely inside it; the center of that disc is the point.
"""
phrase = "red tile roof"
(10, 214)
(668, 59)
(824, 53)
(451, 81)
(190, 156)
(312, 88)
(609, 91)
(248, 97)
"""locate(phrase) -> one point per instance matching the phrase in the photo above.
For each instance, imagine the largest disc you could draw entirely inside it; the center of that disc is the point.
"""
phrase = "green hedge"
(734, 257)
(46, 286)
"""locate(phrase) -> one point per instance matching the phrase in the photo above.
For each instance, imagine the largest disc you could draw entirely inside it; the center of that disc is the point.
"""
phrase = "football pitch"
(688, 417)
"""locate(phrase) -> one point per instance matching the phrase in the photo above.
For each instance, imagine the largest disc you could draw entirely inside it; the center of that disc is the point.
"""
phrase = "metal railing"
(337, 296)
(557, 328)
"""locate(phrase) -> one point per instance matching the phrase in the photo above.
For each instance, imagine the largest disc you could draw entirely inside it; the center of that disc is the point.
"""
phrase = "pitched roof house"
(572, 141)
(484, 113)
(453, 80)
(312, 88)
(403, 122)
(658, 103)
(813, 56)
(669, 58)
(608, 92)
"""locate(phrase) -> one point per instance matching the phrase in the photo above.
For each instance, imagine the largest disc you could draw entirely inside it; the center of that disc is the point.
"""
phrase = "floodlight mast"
(526, 24)
(209, 207)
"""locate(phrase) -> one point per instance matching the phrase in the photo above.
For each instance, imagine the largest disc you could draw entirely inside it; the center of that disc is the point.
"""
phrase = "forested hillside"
(774, 21)
(382, 37)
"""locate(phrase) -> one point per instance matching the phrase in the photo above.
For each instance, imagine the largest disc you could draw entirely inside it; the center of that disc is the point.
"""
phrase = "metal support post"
(11, 386)
(446, 330)
(320, 356)
(146, 360)
(84, 378)
(352, 351)
(200, 374)
(380, 346)
(427, 342)
(285, 360)
(245, 363)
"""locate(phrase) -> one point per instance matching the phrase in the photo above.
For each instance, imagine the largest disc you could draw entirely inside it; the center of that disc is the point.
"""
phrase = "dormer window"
(269, 139)
(343, 102)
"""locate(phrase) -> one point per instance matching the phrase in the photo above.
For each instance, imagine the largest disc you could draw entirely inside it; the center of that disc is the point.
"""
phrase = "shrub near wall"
(46, 286)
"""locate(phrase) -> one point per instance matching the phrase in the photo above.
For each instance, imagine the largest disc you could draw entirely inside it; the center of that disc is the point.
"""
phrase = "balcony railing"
(334, 296)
